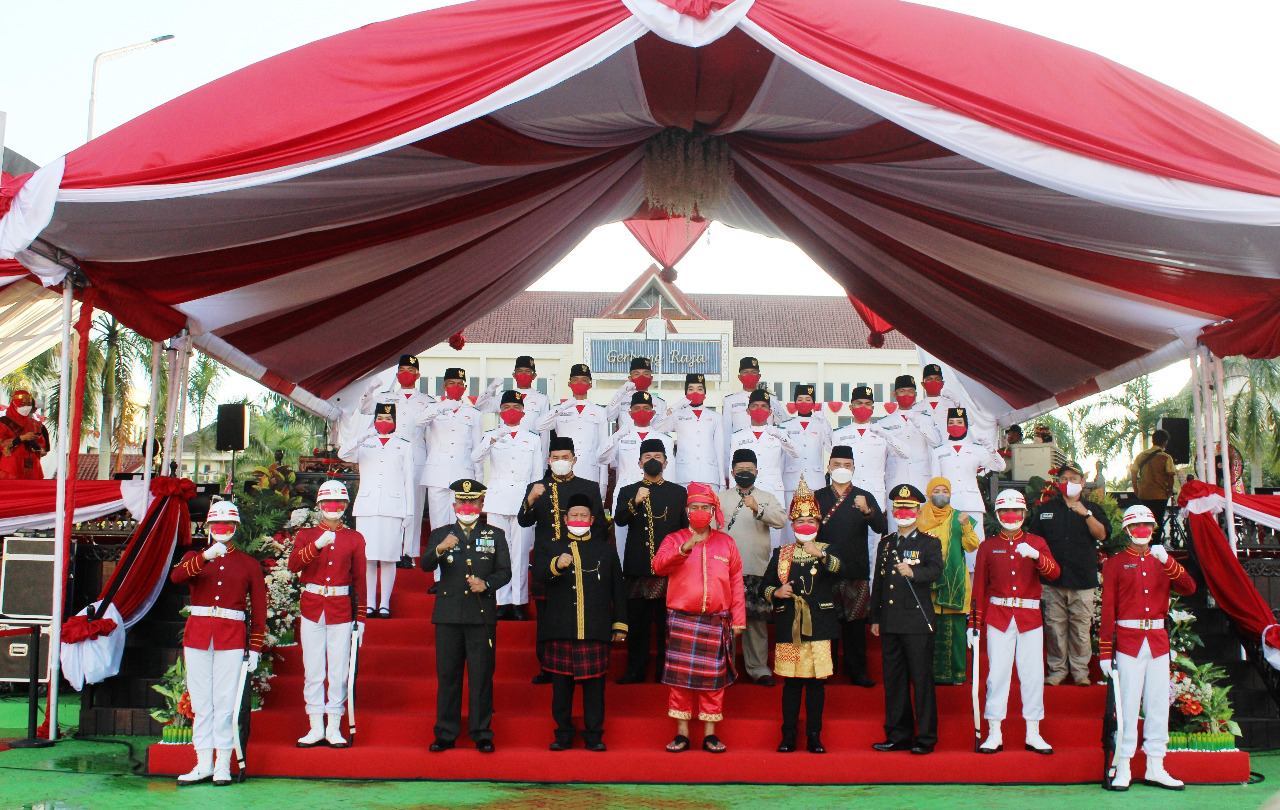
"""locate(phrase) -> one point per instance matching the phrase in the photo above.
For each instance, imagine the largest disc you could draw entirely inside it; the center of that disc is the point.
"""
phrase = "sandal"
(710, 742)
(681, 742)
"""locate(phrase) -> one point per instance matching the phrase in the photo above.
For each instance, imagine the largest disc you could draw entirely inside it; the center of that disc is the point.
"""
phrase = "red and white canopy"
(1045, 221)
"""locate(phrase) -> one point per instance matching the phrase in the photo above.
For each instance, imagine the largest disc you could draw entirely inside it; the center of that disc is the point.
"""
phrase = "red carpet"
(396, 712)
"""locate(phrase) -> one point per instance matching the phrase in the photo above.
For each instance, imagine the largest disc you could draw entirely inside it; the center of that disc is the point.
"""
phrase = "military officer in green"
(474, 562)
(907, 561)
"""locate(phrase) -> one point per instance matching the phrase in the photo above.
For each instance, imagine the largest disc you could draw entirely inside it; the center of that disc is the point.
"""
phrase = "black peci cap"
(560, 443)
(758, 395)
(653, 446)
(931, 369)
(580, 370)
(512, 396)
(861, 392)
(642, 398)
(640, 364)
(455, 374)
(748, 364)
(904, 381)
(807, 390)
(842, 451)
(385, 408)
(743, 454)
(408, 360)
(525, 361)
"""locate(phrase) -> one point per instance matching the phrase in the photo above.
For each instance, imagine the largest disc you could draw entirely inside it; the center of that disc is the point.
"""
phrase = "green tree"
(202, 386)
(1122, 420)
(1253, 415)
(122, 350)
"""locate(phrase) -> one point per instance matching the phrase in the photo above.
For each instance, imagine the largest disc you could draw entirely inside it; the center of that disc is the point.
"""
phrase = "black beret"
(642, 398)
(743, 454)
(580, 370)
(408, 360)
(842, 451)
(525, 361)
(512, 396)
(653, 446)
(560, 443)
(904, 381)
(640, 364)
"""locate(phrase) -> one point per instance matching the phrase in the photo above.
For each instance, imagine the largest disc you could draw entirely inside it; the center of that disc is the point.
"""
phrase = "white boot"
(313, 737)
(1035, 742)
(994, 741)
(222, 767)
(1123, 777)
(333, 732)
(203, 769)
(1159, 777)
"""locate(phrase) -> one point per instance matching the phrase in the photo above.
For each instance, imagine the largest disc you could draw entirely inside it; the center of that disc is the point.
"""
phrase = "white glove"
(629, 386)
(373, 386)
(1026, 550)
(214, 551)
(1161, 554)
(1105, 663)
(359, 634)
(407, 522)
(973, 636)
(253, 661)
(682, 402)
(494, 386)
(326, 539)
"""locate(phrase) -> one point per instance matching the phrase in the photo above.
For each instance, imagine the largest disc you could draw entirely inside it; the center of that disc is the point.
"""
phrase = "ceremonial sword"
(235, 718)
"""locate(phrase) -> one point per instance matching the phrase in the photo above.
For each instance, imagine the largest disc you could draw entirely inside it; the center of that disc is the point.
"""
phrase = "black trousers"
(592, 707)
(853, 642)
(458, 645)
(908, 673)
(814, 692)
(643, 615)
(1158, 508)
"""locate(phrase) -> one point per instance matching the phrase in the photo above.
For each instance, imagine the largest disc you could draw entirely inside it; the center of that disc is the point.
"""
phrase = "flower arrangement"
(1200, 707)
(177, 714)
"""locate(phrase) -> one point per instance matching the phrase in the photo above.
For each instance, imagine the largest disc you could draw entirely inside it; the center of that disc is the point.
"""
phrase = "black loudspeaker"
(26, 578)
(1125, 499)
(233, 427)
(16, 652)
(1179, 431)
(199, 505)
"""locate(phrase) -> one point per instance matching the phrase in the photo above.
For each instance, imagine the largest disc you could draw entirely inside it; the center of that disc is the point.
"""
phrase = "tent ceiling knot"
(698, 9)
(687, 173)
(875, 340)
(668, 274)
(457, 341)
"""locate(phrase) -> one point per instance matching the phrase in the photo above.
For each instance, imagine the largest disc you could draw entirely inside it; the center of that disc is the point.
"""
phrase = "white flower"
(297, 517)
(1181, 616)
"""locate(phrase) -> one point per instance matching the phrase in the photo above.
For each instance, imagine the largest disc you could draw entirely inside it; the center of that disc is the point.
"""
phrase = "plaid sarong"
(852, 598)
(699, 650)
(581, 659)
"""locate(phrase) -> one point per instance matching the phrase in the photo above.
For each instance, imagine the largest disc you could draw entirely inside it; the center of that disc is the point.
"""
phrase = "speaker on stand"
(233, 430)
(1179, 431)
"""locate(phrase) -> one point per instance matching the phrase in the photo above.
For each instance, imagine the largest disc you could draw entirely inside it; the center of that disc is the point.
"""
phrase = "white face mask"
(561, 466)
(25, 410)
(841, 475)
(1012, 524)
(905, 524)
(1141, 541)
(578, 531)
(467, 520)
(1073, 489)
(225, 539)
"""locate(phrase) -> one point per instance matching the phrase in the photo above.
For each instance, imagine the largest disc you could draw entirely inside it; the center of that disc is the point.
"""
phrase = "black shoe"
(485, 747)
(861, 680)
(890, 746)
(516, 614)
(921, 749)
(433, 588)
(502, 613)
(440, 745)
(788, 744)
(562, 745)
(814, 744)
(371, 613)
(384, 613)
(631, 677)
(542, 678)
(597, 746)
(766, 680)
(405, 562)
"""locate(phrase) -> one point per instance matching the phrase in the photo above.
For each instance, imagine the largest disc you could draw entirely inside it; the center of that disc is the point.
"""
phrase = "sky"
(1221, 53)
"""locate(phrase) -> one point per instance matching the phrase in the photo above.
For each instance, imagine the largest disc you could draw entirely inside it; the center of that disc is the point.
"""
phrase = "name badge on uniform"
(1046, 516)
(999, 551)
(1131, 565)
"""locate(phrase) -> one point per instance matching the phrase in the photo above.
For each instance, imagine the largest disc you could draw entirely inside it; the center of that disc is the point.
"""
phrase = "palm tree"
(1125, 419)
(123, 350)
(202, 384)
(1253, 415)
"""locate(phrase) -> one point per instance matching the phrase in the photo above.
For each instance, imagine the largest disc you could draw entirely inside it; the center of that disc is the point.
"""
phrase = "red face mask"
(759, 415)
(466, 509)
(642, 382)
(642, 418)
(749, 380)
(511, 417)
(407, 378)
(804, 408)
(932, 387)
(805, 532)
(578, 524)
(332, 508)
(904, 515)
(957, 431)
(1141, 532)
(579, 388)
(696, 398)
(454, 391)
(524, 380)
(222, 529)
(906, 401)
(385, 427)
(862, 414)
(700, 519)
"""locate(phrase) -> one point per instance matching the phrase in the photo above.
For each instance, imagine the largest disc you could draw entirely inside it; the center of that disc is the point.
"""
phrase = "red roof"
(87, 465)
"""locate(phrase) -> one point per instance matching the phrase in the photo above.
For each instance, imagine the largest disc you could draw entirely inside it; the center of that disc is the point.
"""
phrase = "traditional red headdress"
(701, 493)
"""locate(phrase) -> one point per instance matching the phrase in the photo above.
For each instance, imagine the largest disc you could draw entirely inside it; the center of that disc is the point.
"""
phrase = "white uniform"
(515, 459)
(588, 425)
(936, 408)
(734, 413)
(385, 499)
(871, 448)
(699, 447)
(622, 453)
(771, 444)
(453, 431)
(918, 433)
(961, 462)
(536, 405)
(619, 408)
(410, 407)
(811, 436)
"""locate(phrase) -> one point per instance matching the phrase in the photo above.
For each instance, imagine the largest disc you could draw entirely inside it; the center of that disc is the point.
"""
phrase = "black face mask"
(745, 479)
(652, 468)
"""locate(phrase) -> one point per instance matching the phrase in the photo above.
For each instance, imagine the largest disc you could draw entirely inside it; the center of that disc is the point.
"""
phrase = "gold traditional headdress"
(803, 503)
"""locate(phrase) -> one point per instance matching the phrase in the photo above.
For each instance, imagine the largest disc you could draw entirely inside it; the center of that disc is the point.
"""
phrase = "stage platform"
(396, 711)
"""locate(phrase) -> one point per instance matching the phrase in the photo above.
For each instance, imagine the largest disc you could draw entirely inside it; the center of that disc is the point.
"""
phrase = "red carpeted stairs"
(395, 710)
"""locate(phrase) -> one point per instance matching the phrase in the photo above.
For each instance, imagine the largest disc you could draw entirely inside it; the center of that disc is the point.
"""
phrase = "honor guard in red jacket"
(330, 558)
(1135, 601)
(1006, 600)
(226, 588)
(23, 440)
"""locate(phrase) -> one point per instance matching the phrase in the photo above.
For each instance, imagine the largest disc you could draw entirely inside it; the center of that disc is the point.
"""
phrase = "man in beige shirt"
(749, 514)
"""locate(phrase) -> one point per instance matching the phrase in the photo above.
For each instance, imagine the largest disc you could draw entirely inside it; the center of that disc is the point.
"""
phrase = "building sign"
(614, 355)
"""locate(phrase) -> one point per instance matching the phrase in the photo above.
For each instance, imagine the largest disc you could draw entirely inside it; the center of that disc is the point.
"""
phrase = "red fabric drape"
(879, 326)
(667, 240)
(1255, 334)
(22, 498)
(167, 514)
(1228, 582)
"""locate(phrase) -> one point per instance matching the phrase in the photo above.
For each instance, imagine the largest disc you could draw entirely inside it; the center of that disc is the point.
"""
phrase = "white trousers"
(1144, 680)
(326, 649)
(619, 532)
(1003, 650)
(519, 544)
(413, 535)
(441, 502)
(212, 676)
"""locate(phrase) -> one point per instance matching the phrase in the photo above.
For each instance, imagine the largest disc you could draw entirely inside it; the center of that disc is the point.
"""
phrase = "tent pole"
(184, 365)
(148, 452)
(171, 404)
(1228, 485)
(1210, 427)
(1196, 411)
(60, 528)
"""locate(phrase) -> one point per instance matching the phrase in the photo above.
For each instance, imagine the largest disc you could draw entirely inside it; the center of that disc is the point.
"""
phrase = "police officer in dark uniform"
(907, 561)
(474, 562)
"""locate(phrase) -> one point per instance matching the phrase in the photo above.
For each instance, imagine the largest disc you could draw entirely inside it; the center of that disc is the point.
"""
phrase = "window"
(475, 386)
(828, 392)
(439, 386)
(778, 388)
(845, 390)
(541, 385)
(842, 421)
(879, 392)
